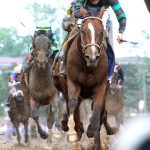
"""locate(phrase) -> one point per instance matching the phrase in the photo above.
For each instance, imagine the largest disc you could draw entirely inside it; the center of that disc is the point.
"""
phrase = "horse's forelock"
(41, 42)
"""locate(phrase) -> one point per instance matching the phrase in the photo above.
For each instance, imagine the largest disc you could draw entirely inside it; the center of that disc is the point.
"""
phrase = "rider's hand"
(83, 12)
(120, 38)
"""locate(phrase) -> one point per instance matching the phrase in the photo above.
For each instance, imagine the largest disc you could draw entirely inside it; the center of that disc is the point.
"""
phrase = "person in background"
(13, 79)
(120, 77)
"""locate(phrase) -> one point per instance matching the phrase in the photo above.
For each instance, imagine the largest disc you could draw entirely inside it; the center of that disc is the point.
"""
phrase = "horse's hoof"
(65, 128)
(78, 145)
(26, 140)
(112, 131)
(90, 133)
(44, 136)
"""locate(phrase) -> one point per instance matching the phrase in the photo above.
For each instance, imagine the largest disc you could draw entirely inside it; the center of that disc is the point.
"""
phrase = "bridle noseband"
(84, 47)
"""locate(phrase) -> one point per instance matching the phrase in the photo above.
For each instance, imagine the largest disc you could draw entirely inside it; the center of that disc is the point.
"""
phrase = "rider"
(82, 8)
(68, 24)
(42, 28)
(13, 79)
(120, 77)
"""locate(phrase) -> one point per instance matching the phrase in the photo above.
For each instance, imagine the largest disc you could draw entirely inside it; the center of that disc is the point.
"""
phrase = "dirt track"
(10, 143)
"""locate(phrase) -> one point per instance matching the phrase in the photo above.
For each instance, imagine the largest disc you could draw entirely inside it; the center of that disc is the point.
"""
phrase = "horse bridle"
(34, 54)
(84, 47)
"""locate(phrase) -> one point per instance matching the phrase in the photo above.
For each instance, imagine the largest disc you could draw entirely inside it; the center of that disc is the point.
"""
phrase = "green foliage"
(11, 44)
(3, 91)
(51, 14)
(134, 83)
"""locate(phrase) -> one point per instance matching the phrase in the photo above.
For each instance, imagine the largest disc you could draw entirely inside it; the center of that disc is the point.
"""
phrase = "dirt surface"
(58, 143)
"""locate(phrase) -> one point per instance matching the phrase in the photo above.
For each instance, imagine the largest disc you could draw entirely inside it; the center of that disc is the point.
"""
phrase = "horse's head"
(41, 50)
(92, 36)
(18, 94)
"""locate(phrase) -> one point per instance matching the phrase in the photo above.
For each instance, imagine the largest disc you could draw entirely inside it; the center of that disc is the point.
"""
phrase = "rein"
(84, 47)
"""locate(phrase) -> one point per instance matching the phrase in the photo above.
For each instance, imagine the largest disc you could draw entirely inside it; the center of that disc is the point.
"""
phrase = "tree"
(11, 44)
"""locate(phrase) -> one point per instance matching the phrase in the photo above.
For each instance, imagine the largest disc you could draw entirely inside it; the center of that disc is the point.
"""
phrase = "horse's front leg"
(110, 130)
(35, 116)
(26, 131)
(74, 105)
(78, 124)
(98, 110)
(66, 111)
(16, 125)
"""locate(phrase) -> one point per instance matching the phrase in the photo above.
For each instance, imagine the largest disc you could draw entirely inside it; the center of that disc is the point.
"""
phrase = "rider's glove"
(120, 38)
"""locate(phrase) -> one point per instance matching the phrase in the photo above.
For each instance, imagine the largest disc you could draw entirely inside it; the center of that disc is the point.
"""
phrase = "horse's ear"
(101, 13)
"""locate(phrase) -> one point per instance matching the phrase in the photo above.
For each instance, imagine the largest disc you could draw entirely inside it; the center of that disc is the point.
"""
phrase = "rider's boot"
(61, 55)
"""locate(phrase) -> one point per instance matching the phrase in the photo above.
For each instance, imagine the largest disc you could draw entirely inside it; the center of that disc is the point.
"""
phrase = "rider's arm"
(121, 17)
(67, 20)
(77, 6)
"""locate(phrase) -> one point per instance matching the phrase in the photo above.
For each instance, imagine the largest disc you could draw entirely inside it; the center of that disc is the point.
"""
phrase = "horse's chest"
(87, 80)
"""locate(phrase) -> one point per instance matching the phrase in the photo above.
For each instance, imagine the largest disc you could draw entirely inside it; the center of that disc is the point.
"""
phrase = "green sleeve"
(120, 14)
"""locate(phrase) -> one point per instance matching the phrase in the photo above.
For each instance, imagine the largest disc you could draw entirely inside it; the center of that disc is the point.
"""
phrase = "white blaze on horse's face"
(91, 28)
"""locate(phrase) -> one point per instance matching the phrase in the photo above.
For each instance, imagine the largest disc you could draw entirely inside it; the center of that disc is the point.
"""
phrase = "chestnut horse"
(87, 68)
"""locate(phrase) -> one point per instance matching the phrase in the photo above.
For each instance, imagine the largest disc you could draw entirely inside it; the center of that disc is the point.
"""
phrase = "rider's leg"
(26, 67)
(65, 48)
(59, 55)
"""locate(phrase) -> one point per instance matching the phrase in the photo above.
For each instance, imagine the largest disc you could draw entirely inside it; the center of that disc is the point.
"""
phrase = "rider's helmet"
(43, 27)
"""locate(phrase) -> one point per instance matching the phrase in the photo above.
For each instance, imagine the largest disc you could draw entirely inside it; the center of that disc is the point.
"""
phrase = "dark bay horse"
(87, 68)
(40, 90)
(19, 112)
